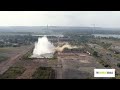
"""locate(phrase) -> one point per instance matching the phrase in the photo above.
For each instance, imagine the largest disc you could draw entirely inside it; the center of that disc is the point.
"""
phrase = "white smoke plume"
(60, 49)
(43, 46)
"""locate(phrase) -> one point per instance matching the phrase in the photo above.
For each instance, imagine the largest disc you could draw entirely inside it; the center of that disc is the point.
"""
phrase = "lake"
(107, 35)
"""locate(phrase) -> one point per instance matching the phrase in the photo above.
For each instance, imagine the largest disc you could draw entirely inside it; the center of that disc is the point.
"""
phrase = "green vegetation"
(54, 56)
(2, 58)
(78, 38)
(117, 76)
(3, 55)
(5, 49)
(44, 73)
(95, 53)
(118, 65)
(117, 55)
(16, 40)
(100, 59)
(27, 55)
(105, 45)
(98, 56)
(12, 73)
(104, 63)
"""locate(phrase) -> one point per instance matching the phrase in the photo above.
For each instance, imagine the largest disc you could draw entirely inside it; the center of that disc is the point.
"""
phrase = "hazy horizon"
(118, 28)
(104, 19)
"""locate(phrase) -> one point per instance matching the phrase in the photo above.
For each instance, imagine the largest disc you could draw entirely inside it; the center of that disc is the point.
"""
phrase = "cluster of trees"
(77, 39)
(109, 38)
(105, 45)
(16, 40)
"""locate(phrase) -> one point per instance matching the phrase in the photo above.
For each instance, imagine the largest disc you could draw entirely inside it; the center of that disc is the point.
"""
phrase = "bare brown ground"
(29, 72)
(8, 63)
(76, 66)
(59, 69)
(32, 65)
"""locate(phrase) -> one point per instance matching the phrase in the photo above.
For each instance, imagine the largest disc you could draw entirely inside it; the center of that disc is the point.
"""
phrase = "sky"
(109, 19)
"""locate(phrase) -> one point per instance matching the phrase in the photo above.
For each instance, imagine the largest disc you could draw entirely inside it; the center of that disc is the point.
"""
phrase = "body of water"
(107, 35)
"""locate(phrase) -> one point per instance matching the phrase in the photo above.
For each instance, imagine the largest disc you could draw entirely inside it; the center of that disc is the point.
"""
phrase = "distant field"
(2, 58)
(12, 73)
(3, 54)
(5, 49)
(8, 52)
(110, 41)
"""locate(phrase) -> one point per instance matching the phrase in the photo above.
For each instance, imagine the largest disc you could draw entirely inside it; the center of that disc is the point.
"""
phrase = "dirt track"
(29, 72)
(8, 63)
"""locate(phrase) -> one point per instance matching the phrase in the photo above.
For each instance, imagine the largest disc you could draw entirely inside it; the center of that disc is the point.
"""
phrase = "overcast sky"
(60, 18)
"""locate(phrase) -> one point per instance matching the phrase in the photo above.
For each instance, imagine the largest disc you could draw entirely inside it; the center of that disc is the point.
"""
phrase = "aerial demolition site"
(60, 59)
(75, 45)
(50, 57)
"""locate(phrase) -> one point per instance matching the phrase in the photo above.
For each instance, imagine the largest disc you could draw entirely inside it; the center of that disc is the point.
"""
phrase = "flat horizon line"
(66, 26)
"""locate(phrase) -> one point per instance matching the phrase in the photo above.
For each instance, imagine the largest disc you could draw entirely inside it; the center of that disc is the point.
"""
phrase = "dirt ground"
(66, 66)
(15, 54)
(78, 68)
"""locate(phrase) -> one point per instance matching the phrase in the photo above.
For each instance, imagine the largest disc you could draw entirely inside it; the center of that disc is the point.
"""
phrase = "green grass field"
(6, 49)
(3, 58)
(44, 73)
(4, 53)
(12, 73)
(117, 55)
